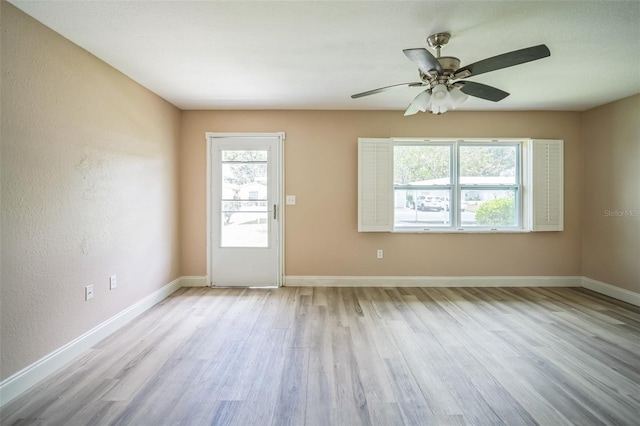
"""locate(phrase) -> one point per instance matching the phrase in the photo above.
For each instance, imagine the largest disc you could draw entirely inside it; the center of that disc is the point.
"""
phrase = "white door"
(245, 180)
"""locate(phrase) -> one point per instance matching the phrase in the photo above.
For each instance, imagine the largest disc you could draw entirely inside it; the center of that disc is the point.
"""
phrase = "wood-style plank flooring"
(356, 356)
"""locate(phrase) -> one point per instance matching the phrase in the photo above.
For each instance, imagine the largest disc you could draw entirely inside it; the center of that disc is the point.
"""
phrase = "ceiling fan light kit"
(438, 100)
(444, 79)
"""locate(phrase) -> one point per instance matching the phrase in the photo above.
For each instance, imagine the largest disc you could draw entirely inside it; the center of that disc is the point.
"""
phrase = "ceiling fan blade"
(505, 60)
(482, 91)
(382, 89)
(425, 60)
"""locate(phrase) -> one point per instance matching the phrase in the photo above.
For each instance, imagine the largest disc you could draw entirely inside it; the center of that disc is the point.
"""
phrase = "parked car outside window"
(432, 204)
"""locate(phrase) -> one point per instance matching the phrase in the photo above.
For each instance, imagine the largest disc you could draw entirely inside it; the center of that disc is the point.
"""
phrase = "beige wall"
(89, 189)
(611, 186)
(320, 169)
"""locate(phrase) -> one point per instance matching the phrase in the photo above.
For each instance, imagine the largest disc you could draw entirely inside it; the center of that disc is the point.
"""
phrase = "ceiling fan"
(444, 79)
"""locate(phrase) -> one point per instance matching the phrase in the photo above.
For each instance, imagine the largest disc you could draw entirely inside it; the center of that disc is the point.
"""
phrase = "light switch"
(291, 200)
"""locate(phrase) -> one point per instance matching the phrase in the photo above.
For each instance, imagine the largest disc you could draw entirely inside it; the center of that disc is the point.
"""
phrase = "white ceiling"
(315, 54)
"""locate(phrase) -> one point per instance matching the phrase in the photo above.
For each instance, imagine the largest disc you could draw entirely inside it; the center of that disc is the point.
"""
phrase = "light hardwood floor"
(351, 356)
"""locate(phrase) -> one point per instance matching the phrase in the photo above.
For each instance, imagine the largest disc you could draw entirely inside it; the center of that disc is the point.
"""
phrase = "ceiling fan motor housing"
(449, 64)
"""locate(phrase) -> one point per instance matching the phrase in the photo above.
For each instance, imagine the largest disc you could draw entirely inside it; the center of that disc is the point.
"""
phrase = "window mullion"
(455, 180)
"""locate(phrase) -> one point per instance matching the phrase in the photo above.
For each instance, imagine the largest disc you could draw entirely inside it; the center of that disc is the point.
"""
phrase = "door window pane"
(243, 229)
(244, 179)
(243, 207)
(239, 156)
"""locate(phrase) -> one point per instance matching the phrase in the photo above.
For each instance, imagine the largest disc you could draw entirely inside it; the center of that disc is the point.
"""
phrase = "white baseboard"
(39, 370)
(611, 291)
(377, 281)
(194, 281)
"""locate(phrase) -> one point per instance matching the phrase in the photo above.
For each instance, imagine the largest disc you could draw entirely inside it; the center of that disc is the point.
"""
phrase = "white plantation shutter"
(375, 185)
(547, 185)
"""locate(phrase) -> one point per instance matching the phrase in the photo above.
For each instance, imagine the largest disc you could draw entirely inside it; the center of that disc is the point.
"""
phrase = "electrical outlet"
(112, 282)
(380, 254)
(291, 200)
(88, 292)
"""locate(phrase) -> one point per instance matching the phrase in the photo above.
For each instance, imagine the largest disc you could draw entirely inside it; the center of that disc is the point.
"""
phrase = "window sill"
(460, 231)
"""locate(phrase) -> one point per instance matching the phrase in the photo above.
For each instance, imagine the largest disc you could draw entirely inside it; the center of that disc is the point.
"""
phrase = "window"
(460, 185)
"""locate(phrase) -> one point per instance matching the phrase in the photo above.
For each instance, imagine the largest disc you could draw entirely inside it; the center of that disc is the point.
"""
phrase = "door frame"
(209, 138)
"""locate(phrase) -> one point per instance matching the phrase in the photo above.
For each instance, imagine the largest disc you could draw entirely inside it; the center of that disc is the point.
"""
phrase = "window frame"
(456, 188)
